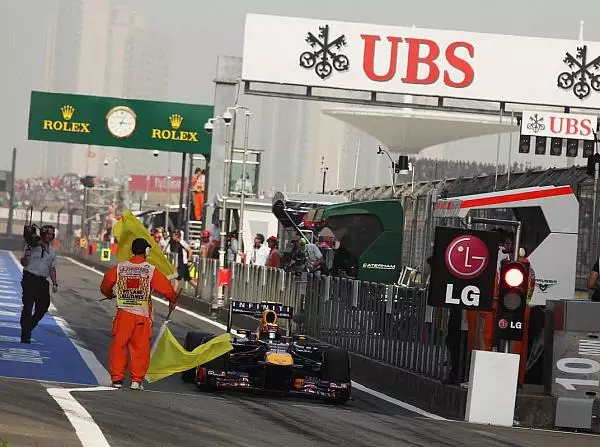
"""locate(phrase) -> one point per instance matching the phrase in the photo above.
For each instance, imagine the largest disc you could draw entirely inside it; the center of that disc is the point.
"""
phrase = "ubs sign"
(416, 61)
(463, 269)
(559, 125)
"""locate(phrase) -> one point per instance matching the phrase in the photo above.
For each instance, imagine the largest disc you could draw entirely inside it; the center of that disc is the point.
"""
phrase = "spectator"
(260, 252)
(182, 250)
(232, 247)
(274, 259)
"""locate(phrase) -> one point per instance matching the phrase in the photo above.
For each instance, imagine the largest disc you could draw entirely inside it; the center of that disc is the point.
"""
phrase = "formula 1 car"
(270, 359)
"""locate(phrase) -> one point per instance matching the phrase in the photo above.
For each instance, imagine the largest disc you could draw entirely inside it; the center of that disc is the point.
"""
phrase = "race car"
(272, 359)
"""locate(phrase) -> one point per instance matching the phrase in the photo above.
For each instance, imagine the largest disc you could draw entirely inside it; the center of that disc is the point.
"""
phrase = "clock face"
(121, 122)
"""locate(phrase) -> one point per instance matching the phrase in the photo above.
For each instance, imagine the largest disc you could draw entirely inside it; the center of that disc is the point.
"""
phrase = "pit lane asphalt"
(170, 412)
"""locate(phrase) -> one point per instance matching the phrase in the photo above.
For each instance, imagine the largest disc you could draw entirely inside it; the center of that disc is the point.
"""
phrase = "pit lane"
(171, 412)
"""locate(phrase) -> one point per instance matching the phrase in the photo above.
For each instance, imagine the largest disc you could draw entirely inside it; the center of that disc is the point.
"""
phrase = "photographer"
(39, 262)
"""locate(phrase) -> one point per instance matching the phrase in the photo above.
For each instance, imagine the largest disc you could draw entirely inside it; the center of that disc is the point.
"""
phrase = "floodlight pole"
(595, 200)
(11, 206)
(393, 167)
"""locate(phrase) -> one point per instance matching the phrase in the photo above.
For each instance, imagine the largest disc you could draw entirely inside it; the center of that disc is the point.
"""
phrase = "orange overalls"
(198, 187)
(132, 283)
(521, 347)
(485, 340)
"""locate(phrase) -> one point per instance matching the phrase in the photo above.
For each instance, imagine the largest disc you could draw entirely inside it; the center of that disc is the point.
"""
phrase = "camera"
(32, 239)
(155, 153)
(227, 116)
(208, 127)
(31, 236)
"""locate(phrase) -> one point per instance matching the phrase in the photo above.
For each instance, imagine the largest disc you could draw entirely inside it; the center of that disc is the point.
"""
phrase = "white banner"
(355, 56)
(559, 125)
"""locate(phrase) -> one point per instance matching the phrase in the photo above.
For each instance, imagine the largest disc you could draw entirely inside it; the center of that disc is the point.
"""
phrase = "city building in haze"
(102, 48)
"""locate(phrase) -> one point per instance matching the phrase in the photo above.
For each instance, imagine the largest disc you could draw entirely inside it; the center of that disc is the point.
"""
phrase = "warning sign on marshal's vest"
(463, 269)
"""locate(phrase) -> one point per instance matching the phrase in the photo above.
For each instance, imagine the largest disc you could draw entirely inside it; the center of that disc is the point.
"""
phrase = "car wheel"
(192, 341)
(336, 368)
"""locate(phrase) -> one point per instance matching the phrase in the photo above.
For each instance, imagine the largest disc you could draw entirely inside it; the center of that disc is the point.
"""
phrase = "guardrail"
(388, 323)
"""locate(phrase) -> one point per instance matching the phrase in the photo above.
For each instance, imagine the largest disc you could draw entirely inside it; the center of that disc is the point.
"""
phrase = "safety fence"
(388, 323)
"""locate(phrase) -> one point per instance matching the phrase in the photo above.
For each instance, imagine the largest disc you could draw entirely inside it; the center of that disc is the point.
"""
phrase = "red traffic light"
(514, 276)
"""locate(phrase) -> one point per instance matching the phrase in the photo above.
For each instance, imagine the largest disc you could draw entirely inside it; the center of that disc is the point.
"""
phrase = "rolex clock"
(121, 122)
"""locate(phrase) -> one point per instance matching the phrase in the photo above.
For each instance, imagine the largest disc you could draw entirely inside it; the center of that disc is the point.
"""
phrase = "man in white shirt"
(183, 251)
(260, 252)
(39, 263)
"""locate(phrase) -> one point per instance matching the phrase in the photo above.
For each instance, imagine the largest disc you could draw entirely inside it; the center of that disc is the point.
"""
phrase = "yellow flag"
(130, 228)
(169, 357)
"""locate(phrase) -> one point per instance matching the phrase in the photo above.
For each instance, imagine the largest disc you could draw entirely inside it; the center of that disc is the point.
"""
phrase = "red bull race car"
(272, 359)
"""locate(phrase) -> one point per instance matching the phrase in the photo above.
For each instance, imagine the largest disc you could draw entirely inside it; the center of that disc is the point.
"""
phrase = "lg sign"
(463, 269)
(466, 258)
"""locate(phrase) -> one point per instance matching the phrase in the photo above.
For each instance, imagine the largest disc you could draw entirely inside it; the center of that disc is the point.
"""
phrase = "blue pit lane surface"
(51, 356)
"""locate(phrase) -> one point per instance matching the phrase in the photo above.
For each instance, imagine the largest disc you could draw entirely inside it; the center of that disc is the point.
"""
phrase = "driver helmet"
(269, 329)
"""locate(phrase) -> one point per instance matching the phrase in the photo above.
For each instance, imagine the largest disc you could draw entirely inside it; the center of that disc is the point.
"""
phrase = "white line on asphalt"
(100, 373)
(13, 305)
(396, 402)
(45, 382)
(87, 430)
(355, 385)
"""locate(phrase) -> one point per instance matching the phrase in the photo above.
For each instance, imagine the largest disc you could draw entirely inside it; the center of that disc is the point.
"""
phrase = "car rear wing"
(256, 309)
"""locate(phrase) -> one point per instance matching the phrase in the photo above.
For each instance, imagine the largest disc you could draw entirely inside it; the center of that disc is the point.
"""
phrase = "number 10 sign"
(576, 365)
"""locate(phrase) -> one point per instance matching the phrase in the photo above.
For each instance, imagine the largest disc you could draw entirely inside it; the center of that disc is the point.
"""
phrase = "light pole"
(243, 193)
(411, 168)
(400, 167)
(393, 168)
(324, 170)
(227, 119)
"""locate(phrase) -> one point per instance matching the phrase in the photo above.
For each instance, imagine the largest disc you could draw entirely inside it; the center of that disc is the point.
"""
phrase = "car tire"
(336, 368)
(192, 341)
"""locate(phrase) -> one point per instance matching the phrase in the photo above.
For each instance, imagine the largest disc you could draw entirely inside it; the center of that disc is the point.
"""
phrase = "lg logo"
(505, 324)
(466, 257)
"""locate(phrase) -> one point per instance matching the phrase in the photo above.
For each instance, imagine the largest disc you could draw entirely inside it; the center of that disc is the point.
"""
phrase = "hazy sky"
(200, 30)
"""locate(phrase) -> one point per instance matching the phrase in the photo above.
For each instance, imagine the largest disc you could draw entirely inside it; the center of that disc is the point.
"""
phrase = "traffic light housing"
(88, 181)
(556, 146)
(524, 144)
(572, 148)
(512, 300)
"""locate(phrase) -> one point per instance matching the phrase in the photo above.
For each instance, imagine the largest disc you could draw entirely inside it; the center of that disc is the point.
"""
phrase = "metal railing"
(388, 323)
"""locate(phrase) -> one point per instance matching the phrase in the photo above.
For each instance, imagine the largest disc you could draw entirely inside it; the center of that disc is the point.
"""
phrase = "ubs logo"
(466, 257)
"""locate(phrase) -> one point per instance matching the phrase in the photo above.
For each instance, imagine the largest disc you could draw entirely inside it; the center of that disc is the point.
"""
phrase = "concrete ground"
(171, 412)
